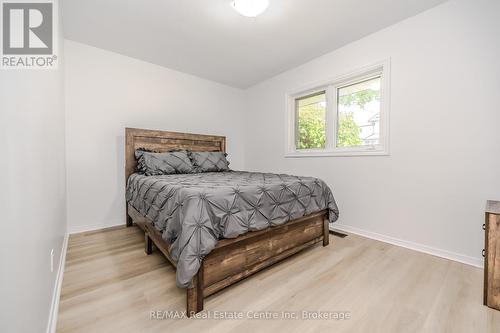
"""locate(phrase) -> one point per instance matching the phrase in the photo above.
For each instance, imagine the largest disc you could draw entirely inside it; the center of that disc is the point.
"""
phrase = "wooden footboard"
(235, 259)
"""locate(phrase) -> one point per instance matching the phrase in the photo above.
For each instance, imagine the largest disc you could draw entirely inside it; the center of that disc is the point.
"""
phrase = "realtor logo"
(28, 35)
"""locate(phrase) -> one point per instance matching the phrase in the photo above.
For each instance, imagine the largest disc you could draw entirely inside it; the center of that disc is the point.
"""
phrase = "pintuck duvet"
(194, 211)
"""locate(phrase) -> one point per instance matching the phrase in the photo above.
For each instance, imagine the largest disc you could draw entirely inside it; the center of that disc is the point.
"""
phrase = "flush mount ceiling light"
(250, 8)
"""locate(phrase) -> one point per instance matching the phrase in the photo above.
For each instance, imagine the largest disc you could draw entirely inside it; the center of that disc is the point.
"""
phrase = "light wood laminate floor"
(110, 285)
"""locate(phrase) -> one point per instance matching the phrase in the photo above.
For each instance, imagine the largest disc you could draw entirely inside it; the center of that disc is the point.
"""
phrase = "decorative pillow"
(209, 161)
(153, 163)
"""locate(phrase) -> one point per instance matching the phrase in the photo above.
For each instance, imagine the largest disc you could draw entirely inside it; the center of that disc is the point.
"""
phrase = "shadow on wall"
(118, 200)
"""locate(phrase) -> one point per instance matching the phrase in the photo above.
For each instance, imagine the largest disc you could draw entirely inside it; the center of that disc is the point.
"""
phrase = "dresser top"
(493, 207)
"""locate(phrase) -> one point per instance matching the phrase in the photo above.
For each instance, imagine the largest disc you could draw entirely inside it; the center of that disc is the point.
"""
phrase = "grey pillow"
(152, 163)
(209, 161)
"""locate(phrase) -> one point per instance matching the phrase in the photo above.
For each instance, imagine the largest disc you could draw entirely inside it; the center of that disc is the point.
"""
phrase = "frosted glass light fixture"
(250, 8)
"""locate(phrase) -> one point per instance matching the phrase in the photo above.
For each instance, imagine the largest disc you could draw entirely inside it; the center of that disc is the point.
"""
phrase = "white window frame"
(330, 87)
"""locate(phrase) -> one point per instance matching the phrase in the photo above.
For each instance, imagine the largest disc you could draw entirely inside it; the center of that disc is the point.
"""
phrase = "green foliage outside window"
(312, 127)
(349, 131)
(360, 98)
(312, 123)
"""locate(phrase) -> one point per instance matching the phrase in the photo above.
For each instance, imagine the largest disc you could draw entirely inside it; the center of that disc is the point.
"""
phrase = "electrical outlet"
(52, 260)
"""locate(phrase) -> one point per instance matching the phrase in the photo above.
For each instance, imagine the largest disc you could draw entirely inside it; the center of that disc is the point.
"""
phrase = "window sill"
(336, 153)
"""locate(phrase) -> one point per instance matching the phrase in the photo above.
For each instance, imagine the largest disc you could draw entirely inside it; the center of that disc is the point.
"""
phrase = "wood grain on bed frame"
(162, 141)
(232, 259)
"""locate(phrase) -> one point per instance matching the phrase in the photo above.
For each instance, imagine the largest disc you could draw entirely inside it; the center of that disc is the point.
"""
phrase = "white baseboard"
(473, 261)
(92, 227)
(54, 308)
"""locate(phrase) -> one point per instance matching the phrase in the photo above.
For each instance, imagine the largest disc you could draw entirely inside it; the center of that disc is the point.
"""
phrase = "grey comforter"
(193, 211)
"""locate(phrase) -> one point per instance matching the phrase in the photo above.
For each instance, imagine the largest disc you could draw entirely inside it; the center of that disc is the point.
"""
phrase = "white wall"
(32, 200)
(106, 92)
(445, 155)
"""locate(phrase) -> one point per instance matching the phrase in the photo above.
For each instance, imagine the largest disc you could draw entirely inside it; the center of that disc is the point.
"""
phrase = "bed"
(217, 228)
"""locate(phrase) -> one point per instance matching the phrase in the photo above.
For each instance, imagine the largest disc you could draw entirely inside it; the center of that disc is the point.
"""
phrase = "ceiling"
(207, 38)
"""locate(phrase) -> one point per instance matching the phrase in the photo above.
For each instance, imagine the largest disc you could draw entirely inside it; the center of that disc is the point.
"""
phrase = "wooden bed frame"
(232, 259)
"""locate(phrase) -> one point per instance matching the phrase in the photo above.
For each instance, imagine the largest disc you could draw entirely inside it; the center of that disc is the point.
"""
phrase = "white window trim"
(330, 86)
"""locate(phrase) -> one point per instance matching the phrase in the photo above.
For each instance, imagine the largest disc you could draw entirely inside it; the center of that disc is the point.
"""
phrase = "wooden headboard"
(164, 141)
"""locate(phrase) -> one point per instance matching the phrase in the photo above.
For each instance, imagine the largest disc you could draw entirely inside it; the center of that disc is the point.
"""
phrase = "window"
(348, 116)
(358, 113)
(311, 121)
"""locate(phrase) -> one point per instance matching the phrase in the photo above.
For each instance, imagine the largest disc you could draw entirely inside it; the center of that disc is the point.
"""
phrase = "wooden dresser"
(491, 254)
